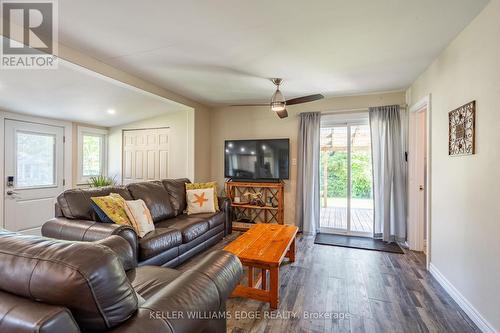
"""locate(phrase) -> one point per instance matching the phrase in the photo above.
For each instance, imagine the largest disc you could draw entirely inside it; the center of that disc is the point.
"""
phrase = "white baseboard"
(466, 306)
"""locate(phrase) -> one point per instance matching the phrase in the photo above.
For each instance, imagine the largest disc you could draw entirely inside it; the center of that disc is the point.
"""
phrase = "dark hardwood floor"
(361, 291)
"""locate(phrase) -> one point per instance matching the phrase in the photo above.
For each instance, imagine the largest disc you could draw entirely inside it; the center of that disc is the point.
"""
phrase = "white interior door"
(417, 180)
(34, 172)
(145, 155)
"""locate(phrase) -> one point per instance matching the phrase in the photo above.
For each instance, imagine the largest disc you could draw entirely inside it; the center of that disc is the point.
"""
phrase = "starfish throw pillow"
(200, 201)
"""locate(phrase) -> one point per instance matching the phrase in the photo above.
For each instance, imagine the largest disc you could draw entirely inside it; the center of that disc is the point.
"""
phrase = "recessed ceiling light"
(111, 111)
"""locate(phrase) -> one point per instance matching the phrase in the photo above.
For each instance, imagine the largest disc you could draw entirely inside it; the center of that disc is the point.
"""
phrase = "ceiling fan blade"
(250, 104)
(282, 114)
(304, 99)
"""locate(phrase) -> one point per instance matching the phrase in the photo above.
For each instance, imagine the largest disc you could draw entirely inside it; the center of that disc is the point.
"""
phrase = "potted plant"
(101, 181)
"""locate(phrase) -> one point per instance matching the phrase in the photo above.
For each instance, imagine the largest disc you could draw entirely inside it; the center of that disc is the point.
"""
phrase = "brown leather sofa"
(56, 286)
(176, 238)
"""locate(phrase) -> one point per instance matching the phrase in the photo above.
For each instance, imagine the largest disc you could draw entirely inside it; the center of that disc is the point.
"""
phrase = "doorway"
(34, 173)
(419, 177)
(346, 182)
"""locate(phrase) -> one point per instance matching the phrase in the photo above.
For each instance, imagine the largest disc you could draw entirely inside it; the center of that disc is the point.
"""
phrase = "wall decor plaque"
(462, 136)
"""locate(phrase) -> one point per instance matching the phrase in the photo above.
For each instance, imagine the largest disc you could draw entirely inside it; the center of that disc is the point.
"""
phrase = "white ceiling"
(221, 51)
(77, 94)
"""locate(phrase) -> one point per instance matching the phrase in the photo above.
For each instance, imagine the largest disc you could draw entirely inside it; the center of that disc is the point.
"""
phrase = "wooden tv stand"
(246, 215)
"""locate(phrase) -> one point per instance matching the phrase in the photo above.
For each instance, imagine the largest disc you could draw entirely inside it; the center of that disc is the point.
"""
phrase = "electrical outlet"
(294, 161)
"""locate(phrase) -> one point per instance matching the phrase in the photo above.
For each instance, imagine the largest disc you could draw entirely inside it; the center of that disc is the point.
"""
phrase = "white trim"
(68, 134)
(464, 304)
(424, 103)
(104, 151)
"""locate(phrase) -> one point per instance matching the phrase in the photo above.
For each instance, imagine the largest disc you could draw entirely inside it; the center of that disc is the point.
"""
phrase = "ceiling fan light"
(278, 101)
(278, 106)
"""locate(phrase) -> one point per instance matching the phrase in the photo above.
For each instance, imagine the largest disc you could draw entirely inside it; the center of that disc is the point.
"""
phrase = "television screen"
(257, 159)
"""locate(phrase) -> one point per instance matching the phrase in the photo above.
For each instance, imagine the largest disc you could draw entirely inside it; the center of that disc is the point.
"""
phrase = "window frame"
(96, 132)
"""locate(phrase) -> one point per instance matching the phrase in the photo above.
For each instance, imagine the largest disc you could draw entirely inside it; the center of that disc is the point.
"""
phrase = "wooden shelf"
(253, 207)
(271, 192)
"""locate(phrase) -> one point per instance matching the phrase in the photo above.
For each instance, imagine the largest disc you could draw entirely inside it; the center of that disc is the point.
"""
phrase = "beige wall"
(465, 230)
(180, 154)
(202, 144)
(260, 122)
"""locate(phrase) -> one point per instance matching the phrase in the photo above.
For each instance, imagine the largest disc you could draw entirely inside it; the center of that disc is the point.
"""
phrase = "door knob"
(13, 194)
(421, 187)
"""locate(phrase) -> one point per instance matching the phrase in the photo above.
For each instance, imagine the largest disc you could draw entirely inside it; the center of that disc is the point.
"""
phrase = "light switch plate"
(294, 161)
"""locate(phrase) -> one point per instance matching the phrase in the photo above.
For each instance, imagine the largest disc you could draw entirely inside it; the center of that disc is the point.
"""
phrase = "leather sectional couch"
(56, 286)
(176, 238)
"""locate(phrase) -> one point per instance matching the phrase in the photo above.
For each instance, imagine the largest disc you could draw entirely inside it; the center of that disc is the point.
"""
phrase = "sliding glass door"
(346, 179)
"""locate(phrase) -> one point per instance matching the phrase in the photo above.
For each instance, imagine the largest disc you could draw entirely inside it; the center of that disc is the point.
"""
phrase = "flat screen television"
(257, 160)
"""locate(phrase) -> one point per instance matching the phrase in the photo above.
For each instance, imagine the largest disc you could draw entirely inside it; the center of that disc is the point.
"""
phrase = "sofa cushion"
(191, 227)
(156, 198)
(158, 241)
(76, 203)
(176, 188)
(213, 219)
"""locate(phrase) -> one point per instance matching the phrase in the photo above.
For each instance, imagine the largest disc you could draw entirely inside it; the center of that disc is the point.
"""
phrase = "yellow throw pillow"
(139, 216)
(198, 186)
(113, 206)
(200, 201)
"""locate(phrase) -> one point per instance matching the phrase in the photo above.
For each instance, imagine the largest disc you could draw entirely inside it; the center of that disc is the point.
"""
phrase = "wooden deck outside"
(336, 217)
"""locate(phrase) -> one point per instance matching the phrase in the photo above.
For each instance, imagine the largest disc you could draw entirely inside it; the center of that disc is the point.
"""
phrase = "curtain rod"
(344, 111)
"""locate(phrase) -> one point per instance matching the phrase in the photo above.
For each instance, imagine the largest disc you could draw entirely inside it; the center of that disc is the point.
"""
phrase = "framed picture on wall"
(462, 132)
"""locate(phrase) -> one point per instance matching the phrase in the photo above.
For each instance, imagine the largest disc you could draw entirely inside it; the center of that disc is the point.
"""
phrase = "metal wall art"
(462, 136)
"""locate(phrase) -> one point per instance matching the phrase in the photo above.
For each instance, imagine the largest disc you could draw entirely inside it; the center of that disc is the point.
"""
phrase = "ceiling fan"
(278, 103)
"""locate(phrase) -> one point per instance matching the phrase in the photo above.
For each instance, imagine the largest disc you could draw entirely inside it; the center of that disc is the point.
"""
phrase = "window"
(35, 159)
(91, 153)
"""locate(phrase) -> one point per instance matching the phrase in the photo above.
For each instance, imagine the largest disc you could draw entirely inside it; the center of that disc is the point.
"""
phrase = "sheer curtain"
(389, 173)
(307, 205)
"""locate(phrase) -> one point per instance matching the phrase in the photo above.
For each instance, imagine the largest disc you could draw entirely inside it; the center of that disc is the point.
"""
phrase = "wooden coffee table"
(263, 247)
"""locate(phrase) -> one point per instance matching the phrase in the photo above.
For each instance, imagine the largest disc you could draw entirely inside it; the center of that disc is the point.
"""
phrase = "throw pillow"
(139, 216)
(200, 201)
(113, 206)
(195, 186)
(100, 213)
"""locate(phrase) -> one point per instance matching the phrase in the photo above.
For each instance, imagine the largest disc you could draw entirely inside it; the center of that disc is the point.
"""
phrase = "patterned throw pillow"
(200, 201)
(100, 213)
(196, 186)
(139, 216)
(113, 206)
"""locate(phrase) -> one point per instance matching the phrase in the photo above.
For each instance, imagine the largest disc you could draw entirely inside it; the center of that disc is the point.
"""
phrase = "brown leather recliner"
(177, 236)
(49, 285)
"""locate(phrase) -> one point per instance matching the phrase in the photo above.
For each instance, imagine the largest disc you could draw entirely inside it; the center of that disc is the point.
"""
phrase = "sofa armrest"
(122, 249)
(194, 302)
(225, 206)
(224, 269)
(88, 231)
(22, 315)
